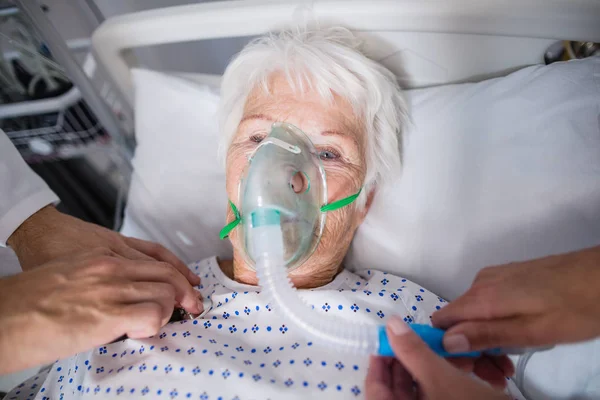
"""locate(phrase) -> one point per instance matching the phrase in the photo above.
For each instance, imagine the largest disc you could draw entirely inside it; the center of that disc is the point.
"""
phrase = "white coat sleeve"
(22, 192)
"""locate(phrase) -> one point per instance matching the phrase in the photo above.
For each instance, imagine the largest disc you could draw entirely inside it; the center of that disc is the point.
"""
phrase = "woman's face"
(339, 138)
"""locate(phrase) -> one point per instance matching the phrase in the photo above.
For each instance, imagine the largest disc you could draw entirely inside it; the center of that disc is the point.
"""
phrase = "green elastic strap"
(340, 203)
(224, 234)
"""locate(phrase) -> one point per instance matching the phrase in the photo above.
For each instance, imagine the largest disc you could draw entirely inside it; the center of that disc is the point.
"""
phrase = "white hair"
(329, 61)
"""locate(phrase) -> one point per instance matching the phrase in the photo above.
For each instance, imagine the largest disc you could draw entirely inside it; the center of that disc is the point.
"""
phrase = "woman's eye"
(257, 138)
(326, 155)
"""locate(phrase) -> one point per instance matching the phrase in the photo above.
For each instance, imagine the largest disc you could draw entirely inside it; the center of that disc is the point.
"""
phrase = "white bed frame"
(425, 42)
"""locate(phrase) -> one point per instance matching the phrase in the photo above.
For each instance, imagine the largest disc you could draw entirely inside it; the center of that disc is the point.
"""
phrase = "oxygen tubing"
(276, 286)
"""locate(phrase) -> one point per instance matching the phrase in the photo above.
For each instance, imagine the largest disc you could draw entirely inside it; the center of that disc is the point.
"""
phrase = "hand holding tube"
(528, 304)
(433, 337)
(435, 378)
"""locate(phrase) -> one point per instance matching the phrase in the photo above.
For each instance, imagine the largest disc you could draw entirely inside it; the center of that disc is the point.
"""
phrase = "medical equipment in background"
(571, 50)
(82, 157)
(42, 112)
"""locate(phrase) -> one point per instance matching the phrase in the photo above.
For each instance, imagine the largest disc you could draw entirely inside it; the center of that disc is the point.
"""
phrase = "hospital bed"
(501, 161)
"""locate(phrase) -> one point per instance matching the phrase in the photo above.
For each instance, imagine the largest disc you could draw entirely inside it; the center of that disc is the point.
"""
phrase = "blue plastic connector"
(265, 216)
(432, 337)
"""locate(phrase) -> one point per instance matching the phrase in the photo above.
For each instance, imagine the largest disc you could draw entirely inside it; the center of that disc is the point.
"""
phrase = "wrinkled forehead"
(304, 108)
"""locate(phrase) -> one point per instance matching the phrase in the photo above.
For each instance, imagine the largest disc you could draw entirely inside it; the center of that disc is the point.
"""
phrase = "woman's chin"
(307, 276)
(246, 276)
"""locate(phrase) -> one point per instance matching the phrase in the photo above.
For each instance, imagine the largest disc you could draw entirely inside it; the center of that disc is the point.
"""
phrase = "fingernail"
(456, 343)
(397, 326)
(200, 305)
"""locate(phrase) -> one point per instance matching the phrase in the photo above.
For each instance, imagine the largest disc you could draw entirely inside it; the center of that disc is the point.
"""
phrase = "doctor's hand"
(74, 304)
(434, 377)
(535, 303)
(50, 234)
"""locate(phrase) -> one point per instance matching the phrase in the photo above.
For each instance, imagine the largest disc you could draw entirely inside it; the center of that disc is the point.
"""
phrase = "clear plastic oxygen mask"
(283, 198)
(284, 185)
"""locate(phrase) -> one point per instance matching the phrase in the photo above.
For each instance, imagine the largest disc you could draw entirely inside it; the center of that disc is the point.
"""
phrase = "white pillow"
(497, 171)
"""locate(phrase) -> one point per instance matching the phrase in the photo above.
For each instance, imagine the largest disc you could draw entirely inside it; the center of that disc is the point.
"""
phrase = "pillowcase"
(496, 171)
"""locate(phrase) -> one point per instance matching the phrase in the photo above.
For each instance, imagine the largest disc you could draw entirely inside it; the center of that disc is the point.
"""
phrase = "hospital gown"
(241, 348)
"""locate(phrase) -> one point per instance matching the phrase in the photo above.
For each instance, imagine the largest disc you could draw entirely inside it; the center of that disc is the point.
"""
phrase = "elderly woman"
(352, 109)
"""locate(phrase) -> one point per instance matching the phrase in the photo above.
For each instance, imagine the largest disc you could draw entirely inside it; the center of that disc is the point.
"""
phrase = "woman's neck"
(239, 271)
